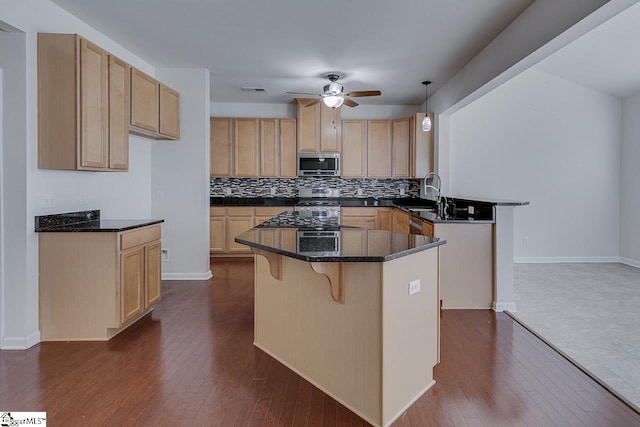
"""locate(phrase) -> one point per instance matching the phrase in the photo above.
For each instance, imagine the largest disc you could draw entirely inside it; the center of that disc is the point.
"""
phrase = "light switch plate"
(414, 286)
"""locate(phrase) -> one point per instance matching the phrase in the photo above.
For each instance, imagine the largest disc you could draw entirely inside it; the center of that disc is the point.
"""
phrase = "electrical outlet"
(273, 191)
(472, 210)
(359, 192)
(414, 286)
(227, 191)
(402, 191)
(164, 254)
(48, 200)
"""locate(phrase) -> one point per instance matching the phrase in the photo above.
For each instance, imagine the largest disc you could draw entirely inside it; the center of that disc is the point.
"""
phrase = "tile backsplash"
(288, 187)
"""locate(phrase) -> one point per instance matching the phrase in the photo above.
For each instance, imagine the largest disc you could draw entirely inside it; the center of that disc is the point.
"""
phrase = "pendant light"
(426, 122)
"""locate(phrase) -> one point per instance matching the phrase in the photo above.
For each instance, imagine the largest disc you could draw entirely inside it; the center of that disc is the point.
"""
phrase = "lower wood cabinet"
(95, 284)
(226, 223)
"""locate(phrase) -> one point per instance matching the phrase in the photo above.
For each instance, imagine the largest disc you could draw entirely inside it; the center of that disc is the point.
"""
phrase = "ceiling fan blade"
(365, 93)
(304, 93)
(350, 102)
(315, 101)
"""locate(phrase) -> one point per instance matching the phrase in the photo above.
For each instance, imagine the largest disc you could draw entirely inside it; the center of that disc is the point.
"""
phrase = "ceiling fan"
(333, 95)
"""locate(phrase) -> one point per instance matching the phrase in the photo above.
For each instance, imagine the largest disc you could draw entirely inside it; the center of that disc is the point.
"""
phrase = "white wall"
(630, 182)
(555, 144)
(222, 109)
(180, 172)
(117, 195)
(1, 207)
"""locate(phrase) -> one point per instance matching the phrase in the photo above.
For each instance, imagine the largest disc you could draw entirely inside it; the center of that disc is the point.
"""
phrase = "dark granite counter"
(320, 241)
(87, 221)
(482, 211)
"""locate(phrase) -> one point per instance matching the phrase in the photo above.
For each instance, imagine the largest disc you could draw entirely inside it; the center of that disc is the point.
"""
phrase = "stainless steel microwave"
(318, 164)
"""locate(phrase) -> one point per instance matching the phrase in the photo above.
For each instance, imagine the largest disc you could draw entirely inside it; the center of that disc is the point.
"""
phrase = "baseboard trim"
(560, 260)
(630, 262)
(20, 343)
(504, 306)
(187, 276)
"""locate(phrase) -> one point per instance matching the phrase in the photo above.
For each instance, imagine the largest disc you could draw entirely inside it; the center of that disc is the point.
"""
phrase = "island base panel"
(375, 352)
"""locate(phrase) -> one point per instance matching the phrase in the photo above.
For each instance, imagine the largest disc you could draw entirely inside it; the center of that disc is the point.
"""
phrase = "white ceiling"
(288, 45)
(607, 59)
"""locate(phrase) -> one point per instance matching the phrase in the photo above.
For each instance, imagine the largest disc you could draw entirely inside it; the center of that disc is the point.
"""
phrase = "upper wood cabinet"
(221, 146)
(277, 148)
(379, 148)
(319, 128)
(354, 149)
(82, 97)
(155, 108)
(247, 147)
(400, 148)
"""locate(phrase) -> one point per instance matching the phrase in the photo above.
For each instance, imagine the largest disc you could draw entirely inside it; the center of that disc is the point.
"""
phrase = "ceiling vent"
(253, 89)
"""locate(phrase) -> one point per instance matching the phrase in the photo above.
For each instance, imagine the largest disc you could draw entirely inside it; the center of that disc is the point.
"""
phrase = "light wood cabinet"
(319, 128)
(427, 228)
(169, 112)
(76, 84)
(379, 148)
(226, 223)
(400, 148)
(95, 284)
(119, 113)
(221, 146)
(384, 219)
(155, 108)
(246, 147)
(401, 221)
(358, 217)
(354, 149)
(288, 148)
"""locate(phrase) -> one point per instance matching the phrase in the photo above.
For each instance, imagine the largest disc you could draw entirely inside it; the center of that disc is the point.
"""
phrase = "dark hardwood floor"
(192, 362)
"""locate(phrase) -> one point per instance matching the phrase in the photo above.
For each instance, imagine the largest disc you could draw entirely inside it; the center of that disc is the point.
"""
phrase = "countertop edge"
(77, 228)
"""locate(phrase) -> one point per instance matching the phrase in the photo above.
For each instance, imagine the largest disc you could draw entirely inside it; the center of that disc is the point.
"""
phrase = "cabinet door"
(330, 129)
(427, 228)
(131, 283)
(221, 146)
(401, 221)
(269, 147)
(94, 131)
(144, 101)
(246, 147)
(384, 219)
(308, 126)
(379, 148)
(288, 148)
(169, 112)
(421, 146)
(119, 113)
(400, 143)
(153, 274)
(354, 149)
(235, 226)
(217, 234)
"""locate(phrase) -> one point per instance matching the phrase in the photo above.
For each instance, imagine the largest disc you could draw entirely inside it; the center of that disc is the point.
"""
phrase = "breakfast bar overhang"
(355, 312)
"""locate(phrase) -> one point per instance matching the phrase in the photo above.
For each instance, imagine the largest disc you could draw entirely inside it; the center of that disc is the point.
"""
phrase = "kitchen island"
(354, 311)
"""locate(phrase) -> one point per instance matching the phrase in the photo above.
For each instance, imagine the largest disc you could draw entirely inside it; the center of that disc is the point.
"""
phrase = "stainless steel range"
(319, 202)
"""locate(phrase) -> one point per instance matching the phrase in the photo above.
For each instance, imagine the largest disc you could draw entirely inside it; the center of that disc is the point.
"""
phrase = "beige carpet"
(591, 313)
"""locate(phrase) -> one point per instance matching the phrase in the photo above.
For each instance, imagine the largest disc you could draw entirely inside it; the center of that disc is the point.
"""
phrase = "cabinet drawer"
(240, 211)
(139, 237)
(359, 212)
(217, 211)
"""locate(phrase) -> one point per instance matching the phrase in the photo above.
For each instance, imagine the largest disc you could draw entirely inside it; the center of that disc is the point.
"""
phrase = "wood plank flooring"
(192, 362)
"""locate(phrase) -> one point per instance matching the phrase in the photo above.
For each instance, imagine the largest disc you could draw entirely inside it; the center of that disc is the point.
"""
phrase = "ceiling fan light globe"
(426, 124)
(333, 101)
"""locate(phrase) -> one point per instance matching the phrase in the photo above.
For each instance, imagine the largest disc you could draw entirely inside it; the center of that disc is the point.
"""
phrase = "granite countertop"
(327, 241)
(87, 221)
(483, 212)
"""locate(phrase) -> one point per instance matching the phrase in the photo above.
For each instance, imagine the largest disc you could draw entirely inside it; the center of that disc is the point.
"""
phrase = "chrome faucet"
(441, 200)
